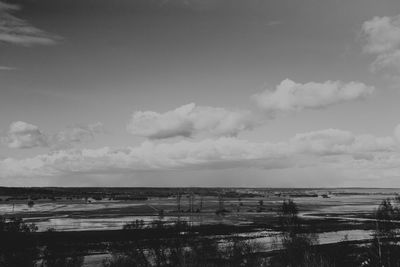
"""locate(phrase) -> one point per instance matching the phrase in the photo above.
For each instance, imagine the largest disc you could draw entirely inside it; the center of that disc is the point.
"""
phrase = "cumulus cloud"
(382, 36)
(291, 96)
(338, 148)
(190, 120)
(24, 135)
(20, 32)
(382, 33)
(76, 134)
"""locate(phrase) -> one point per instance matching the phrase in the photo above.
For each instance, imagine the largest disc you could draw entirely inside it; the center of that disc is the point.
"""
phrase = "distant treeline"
(117, 193)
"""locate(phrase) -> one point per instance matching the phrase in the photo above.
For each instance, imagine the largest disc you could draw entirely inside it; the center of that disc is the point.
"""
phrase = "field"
(332, 215)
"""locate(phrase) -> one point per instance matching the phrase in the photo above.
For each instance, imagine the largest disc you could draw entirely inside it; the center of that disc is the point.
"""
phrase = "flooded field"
(347, 208)
(64, 215)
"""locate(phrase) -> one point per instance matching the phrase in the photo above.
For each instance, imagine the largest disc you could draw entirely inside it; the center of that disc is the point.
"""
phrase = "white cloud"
(291, 96)
(226, 151)
(331, 147)
(190, 120)
(330, 141)
(6, 68)
(8, 7)
(382, 36)
(74, 135)
(382, 33)
(24, 135)
(17, 31)
(338, 142)
(397, 133)
(387, 60)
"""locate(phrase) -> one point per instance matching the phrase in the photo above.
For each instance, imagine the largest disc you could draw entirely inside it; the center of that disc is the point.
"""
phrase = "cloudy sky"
(265, 93)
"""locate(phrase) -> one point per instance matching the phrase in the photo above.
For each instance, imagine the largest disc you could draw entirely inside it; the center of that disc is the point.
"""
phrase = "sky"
(256, 93)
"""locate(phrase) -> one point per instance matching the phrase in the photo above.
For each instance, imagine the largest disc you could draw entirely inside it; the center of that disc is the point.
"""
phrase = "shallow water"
(86, 224)
(64, 206)
(273, 241)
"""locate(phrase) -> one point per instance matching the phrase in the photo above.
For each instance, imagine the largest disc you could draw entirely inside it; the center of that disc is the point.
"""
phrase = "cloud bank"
(290, 96)
(189, 121)
(333, 147)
